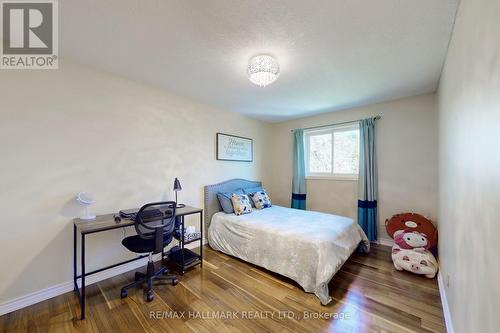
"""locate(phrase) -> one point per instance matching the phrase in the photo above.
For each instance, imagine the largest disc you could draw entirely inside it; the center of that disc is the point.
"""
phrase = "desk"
(105, 223)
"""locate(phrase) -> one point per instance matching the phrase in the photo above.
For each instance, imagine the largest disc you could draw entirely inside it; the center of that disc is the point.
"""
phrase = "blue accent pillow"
(251, 191)
(225, 200)
(261, 200)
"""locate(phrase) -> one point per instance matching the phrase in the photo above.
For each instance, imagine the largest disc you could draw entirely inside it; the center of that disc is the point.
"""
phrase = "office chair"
(154, 224)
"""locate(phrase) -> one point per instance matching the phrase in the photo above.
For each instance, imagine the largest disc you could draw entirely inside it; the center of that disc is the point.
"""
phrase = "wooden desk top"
(107, 221)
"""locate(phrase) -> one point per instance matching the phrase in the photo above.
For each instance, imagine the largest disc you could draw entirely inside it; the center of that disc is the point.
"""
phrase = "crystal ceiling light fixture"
(263, 69)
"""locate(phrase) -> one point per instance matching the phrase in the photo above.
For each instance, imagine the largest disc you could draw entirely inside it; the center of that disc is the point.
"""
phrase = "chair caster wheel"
(123, 294)
(149, 296)
(175, 282)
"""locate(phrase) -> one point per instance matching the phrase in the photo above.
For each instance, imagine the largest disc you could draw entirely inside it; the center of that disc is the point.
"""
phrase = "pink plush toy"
(416, 261)
(411, 240)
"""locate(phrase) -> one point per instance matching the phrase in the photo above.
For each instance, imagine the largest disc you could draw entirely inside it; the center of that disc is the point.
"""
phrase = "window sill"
(337, 178)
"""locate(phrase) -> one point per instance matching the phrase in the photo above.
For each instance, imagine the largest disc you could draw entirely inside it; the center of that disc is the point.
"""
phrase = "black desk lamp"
(177, 188)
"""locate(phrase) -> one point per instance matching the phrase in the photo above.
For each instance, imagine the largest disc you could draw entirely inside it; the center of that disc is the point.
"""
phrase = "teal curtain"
(299, 171)
(368, 181)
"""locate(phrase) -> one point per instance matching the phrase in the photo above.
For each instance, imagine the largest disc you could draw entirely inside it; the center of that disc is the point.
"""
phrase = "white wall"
(73, 129)
(469, 161)
(407, 155)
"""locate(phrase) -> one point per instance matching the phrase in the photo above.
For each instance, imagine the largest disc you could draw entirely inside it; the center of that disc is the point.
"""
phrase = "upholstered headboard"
(212, 204)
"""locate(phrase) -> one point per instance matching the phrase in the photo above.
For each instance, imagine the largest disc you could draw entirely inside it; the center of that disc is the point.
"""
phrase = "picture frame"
(234, 148)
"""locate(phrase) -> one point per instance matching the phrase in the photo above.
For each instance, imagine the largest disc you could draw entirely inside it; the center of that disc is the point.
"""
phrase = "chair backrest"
(153, 215)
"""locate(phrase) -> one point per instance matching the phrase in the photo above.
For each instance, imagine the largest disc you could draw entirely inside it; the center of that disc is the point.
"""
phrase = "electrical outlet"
(447, 281)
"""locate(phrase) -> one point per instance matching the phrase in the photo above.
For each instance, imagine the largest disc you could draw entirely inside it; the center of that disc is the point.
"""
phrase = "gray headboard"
(212, 204)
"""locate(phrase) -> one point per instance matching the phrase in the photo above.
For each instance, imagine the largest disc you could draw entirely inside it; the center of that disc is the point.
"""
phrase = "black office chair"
(155, 225)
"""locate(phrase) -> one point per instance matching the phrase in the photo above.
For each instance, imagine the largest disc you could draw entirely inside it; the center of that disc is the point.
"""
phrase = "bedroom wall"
(74, 129)
(469, 160)
(407, 155)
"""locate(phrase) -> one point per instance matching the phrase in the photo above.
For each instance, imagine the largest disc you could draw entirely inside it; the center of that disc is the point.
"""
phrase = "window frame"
(321, 131)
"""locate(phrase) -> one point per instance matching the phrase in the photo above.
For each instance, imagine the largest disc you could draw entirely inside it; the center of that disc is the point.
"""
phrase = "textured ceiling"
(334, 54)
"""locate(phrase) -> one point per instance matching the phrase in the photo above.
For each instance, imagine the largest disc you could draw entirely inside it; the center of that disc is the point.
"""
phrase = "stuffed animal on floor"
(417, 261)
(411, 240)
(409, 224)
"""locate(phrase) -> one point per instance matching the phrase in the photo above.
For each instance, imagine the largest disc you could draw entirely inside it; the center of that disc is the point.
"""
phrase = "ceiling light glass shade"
(263, 69)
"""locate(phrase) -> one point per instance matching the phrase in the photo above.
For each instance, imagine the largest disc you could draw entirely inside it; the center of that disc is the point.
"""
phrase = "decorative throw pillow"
(261, 200)
(251, 190)
(241, 204)
(225, 200)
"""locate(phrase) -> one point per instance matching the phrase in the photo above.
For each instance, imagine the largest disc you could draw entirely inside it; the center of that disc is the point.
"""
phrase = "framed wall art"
(234, 148)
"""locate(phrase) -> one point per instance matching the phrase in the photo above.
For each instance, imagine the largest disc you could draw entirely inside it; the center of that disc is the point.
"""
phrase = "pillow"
(225, 200)
(261, 200)
(241, 204)
(251, 190)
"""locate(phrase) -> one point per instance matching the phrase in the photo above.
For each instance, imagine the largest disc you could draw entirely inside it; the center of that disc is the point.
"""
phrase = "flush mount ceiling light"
(263, 69)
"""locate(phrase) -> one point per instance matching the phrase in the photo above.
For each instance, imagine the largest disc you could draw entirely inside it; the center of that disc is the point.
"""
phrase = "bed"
(308, 247)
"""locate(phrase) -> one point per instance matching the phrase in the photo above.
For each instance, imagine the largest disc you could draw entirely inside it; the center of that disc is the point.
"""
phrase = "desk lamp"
(177, 188)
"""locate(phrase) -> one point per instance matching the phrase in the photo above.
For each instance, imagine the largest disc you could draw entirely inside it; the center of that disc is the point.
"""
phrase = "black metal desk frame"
(182, 266)
(110, 224)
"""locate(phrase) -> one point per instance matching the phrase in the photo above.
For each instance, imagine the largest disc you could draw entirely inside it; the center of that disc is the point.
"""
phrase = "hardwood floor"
(368, 296)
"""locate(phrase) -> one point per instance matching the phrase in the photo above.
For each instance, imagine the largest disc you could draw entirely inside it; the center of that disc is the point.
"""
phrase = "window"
(332, 152)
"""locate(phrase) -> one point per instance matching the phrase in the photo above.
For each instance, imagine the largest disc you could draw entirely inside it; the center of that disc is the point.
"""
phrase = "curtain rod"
(335, 124)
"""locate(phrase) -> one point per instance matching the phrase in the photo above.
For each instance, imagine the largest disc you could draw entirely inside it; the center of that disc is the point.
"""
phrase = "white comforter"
(308, 247)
